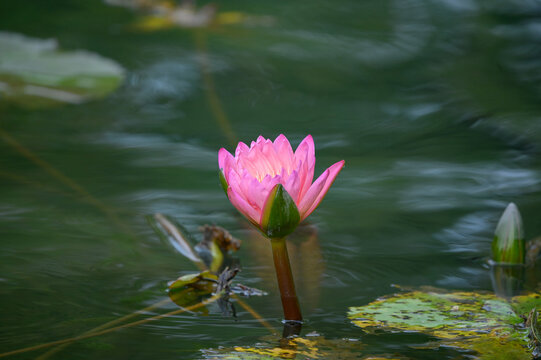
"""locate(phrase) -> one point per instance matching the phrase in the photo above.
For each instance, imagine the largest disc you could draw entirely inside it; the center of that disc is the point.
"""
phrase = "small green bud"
(509, 245)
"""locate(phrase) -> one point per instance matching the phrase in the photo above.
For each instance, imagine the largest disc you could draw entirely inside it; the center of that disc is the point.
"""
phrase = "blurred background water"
(434, 105)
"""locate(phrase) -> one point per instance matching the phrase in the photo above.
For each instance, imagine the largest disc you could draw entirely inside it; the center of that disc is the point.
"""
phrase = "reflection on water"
(306, 260)
(433, 104)
(160, 151)
(409, 33)
(163, 83)
(447, 186)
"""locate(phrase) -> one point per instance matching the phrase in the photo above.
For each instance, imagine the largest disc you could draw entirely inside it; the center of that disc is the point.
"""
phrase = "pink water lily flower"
(252, 174)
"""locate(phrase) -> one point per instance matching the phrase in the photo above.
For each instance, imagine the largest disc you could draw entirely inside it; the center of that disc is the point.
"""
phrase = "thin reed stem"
(104, 326)
(11, 141)
(215, 104)
(106, 331)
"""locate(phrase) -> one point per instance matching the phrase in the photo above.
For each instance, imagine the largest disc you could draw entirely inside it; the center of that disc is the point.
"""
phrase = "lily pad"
(34, 72)
(296, 348)
(189, 289)
(485, 324)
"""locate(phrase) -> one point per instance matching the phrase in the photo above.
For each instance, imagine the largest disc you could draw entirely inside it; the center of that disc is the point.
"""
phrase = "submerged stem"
(290, 303)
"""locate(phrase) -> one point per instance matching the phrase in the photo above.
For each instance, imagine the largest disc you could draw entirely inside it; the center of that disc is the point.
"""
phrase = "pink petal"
(226, 161)
(305, 160)
(242, 148)
(242, 184)
(243, 206)
(319, 189)
(234, 181)
(292, 186)
(312, 193)
(256, 163)
(269, 152)
(306, 151)
(254, 192)
(260, 140)
(269, 182)
(305, 178)
(283, 151)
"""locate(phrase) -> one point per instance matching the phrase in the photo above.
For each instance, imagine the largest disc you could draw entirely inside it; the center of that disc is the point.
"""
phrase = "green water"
(434, 105)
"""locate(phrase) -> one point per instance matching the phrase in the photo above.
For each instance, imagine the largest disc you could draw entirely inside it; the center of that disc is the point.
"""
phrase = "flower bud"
(280, 215)
(508, 245)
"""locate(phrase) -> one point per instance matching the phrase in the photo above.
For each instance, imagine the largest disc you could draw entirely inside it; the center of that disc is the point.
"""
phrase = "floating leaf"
(185, 15)
(189, 289)
(34, 72)
(295, 348)
(483, 323)
(203, 281)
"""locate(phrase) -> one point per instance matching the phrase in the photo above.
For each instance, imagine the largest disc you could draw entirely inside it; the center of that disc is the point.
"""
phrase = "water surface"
(434, 105)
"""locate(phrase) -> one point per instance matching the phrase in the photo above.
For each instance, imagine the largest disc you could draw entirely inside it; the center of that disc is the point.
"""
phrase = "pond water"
(433, 104)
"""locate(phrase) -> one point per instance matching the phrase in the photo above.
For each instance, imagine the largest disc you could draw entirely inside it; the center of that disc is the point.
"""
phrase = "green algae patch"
(36, 73)
(523, 304)
(489, 326)
(299, 348)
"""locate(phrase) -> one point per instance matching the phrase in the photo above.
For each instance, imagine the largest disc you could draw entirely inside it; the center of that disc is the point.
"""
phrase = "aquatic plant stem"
(44, 165)
(290, 303)
(105, 326)
(105, 331)
(215, 104)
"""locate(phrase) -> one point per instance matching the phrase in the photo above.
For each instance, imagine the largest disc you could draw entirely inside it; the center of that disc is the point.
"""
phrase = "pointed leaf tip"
(509, 244)
(280, 215)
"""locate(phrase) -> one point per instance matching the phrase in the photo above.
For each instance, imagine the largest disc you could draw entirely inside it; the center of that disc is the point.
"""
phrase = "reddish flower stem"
(290, 303)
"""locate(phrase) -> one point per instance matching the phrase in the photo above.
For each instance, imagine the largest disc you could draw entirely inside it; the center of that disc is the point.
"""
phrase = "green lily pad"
(189, 289)
(488, 325)
(34, 72)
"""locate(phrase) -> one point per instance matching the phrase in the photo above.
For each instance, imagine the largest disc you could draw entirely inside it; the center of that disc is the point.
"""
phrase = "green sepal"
(223, 181)
(280, 214)
(509, 244)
